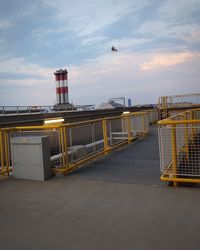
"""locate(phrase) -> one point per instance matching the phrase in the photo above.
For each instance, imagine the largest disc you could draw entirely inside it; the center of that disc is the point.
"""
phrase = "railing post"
(65, 146)
(105, 136)
(93, 135)
(7, 152)
(62, 147)
(143, 124)
(174, 152)
(129, 128)
(1, 152)
(186, 138)
(193, 129)
(165, 107)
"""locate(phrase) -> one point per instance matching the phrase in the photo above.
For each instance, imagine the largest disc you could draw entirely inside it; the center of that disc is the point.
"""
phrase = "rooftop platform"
(116, 202)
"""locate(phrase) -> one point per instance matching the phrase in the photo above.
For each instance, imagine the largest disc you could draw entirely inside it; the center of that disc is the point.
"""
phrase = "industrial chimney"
(61, 86)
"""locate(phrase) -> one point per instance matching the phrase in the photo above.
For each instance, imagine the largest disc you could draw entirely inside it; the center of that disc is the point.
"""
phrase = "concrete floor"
(77, 212)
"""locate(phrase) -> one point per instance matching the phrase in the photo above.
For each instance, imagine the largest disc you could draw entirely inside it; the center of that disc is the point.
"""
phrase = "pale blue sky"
(158, 49)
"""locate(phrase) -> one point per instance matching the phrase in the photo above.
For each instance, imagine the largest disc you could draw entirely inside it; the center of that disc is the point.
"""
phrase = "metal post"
(195, 126)
(93, 136)
(193, 129)
(7, 152)
(186, 139)
(123, 125)
(105, 136)
(62, 147)
(174, 152)
(1, 151)
(65, 146)
(70, 143)
(164, 104)
(129, 128)
(143, 124)
(110, 129)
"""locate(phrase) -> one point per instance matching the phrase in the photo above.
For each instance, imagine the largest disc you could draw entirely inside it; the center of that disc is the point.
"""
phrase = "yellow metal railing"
(168, 105)
(179, 143)
(74, 144)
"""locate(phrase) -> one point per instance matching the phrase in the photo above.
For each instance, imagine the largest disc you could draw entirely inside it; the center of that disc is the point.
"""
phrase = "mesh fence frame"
(84, 140)
(179, 145)
(117, 129)
(71, 144)
(187, 151)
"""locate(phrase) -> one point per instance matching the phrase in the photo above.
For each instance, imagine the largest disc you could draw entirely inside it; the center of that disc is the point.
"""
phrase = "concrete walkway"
(78, 212)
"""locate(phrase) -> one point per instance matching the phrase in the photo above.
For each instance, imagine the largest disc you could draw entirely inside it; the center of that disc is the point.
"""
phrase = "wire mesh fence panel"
(197, 114)
(165, 148)
(79, 137)
(117, 131)
(180, 151)
(180, 139)
(174, 112)
(146, 123)
(185, 100)
(98, 141)
(188, 159)
(150, 114)
(153, 115)
(72, 144)
(84, 141)
(136, 125)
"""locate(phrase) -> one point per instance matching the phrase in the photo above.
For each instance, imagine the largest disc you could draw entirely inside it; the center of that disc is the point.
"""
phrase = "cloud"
(5, 24)
(173, 20)
(156, 41)
(19, 65)
(109, 75)
(121, 74)
(166, 60)
(192, 37)
(178, 10)
(27, 92)
(87, 17)
(93, 40)
(128, 43)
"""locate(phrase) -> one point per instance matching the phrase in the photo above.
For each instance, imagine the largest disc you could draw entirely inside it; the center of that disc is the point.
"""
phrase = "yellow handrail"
(62, 157)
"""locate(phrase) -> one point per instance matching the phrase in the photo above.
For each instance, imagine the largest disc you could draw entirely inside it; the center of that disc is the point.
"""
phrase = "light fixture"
(54, 121)
(126, 112)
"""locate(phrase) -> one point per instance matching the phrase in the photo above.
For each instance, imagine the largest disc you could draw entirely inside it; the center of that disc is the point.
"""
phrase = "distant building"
(110, 105)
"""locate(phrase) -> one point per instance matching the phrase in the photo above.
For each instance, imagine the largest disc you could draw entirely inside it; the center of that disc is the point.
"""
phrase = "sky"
(158, 46)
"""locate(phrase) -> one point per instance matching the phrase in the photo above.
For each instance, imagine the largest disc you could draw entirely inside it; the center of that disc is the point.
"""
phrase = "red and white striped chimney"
(61, 86)
(65, 88)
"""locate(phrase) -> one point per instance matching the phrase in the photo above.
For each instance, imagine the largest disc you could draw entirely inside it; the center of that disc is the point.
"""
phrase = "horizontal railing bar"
(188, 180)
(174, 122)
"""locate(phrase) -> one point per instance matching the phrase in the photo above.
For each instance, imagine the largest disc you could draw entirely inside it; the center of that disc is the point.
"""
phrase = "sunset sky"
(158, 46)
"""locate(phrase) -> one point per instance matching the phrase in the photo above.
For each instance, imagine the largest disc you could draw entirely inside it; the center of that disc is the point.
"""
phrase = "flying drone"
(113, 49)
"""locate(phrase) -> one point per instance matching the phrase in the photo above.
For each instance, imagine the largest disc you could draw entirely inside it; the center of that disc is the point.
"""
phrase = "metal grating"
(137, 163)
